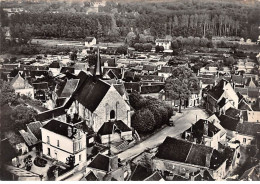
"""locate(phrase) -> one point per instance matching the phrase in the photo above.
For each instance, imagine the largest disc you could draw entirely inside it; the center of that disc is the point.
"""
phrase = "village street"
(182, 122)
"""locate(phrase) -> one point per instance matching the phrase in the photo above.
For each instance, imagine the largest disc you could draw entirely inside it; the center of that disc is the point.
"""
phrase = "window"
(48, 139)
(80, 158)
(49, 152)
(244, 140)
(58, 143)
(112, 114)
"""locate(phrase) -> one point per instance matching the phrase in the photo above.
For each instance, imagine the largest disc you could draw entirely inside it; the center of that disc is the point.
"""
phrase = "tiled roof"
(34, 127)
(252, 174)
(117, 71)
(29, 138)
(50, 114)
(248, 128)
(228, 122)
(232, 112)
(217, 90)
(69, 88)
(237, 79)
(108, 127)
(187, 152)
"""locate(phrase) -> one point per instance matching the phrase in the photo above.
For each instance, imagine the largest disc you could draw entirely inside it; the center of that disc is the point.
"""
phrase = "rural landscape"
(129, 90)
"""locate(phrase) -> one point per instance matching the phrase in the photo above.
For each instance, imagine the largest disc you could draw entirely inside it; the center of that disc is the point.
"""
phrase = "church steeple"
(98, 72)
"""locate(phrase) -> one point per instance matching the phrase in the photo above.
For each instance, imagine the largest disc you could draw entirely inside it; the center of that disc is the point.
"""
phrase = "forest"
(115, 20)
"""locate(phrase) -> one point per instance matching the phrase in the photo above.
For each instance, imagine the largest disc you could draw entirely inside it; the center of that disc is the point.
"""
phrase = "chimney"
(205, 127)
(69, 131)
(207, 162)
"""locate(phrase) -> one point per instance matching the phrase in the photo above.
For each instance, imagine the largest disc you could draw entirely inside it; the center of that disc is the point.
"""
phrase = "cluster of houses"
(89, 110)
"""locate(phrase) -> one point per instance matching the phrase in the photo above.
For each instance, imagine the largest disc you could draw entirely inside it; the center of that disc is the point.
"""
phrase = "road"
(182, 122)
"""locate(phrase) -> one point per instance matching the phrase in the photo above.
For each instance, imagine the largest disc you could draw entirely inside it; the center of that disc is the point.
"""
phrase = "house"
(252, 116)
(216, 122)
(247, 132)
(61, 140)
(21, 86)
(105, 168)
(165, 71)
(140, 173)
(221, 97)
(114, 131)
(166, 43)
(194, 98)
(54, 68)
(253, 95)
(20, 174)
(176, 156)
(203, 132)
(152, 90)
(90, 41)
(149, 69)
(35, 129)
(41, 90)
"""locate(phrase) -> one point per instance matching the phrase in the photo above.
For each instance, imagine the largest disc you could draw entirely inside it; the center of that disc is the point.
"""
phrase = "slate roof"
(217, 90)
(58, 127)
(117, 71)
(67, 69)
(228, 122)
(91, 177)
(222, 102)
(140, 173)
(35, 128)
(108, 127)
(101, 162)
(232, 112)
(187, 152)
(40, 86)
(248, 128)
(50, 114)
(91, 93)
(243, 105)
(151, 89)
(253, 92)
(249, 80)
(69, 88)
(109, 75)
(252, 174)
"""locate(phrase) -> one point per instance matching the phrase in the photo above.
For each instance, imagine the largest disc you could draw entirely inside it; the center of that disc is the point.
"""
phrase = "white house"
(90, 41)
(166, 43)
(21, 86)
(62, 140)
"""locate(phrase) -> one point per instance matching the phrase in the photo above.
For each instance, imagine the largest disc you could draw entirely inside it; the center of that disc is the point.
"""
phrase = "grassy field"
(56, 43)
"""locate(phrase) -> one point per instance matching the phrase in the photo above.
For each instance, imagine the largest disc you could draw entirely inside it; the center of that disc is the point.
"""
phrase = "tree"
(136, 101)
(230, 61)
(143, 121)
(147, 47)
(157, 48)
(122, 50)
(181, 84)
(73, 56)
(22, 115)
(7, 93)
